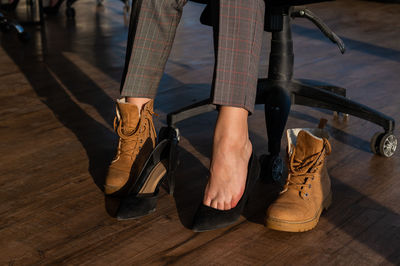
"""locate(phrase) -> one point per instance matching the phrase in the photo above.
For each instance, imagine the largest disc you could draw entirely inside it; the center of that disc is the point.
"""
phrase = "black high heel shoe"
(208, 218)
(142, 196)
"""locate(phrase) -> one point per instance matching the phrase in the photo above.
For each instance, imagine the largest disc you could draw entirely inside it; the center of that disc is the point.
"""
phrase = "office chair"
(7, 24)
(279, 91)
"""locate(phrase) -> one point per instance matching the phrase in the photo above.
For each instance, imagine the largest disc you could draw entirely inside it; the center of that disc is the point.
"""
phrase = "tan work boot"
(308, 187)
(137, 139)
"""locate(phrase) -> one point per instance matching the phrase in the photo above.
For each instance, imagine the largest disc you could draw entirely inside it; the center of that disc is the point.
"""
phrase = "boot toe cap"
(289, 213)
(115, 180)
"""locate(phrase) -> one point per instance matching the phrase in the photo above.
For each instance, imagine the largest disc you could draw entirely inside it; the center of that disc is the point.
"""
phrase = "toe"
(227, 205)
(207, 201)
(220, 206)
(214, 204)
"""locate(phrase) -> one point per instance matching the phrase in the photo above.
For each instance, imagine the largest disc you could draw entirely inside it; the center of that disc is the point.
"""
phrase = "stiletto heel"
(208, 218)
(173, 161)
(171, 134)
(171, 184)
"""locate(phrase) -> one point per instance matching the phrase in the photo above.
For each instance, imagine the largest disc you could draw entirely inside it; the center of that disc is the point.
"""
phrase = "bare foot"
(231, 153)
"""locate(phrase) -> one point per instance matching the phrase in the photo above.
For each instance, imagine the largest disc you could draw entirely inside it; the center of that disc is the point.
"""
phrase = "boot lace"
(130, 143)
(302, 172)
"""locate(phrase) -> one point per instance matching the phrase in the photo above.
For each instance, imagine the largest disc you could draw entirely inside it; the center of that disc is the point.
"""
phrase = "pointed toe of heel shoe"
(135, 207)
(207, 218)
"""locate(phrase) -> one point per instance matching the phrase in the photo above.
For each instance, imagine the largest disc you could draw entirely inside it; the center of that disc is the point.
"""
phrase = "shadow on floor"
(46, 79)
(363, 47)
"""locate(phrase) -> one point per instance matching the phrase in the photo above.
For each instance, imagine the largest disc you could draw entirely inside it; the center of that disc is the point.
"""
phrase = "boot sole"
(299, 226)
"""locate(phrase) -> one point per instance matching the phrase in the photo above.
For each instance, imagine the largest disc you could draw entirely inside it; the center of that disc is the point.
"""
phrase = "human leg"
(152, 29)
(230, 156)
(238, 39)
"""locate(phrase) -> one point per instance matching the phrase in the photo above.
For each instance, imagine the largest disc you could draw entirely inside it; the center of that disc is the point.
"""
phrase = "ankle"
(232, 143)
(139, 102)
(231, 134)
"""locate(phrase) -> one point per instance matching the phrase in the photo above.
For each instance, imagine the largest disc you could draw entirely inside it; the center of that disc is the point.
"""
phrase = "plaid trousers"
(237, 41)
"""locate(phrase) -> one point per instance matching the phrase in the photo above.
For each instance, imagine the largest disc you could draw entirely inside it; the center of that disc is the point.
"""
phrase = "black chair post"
(276, 97)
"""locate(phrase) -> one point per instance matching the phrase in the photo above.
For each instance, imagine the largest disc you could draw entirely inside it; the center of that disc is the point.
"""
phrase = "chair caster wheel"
(70, 12)
(384, 144)
(336, 116)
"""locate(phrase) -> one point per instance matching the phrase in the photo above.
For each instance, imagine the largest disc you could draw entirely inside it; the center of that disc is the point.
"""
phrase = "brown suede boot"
(137, 139)
(308, 187)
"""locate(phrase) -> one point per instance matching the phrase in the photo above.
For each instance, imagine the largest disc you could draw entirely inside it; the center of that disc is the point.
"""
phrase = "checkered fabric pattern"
(152, 30)
(240, 31)
(238, 40)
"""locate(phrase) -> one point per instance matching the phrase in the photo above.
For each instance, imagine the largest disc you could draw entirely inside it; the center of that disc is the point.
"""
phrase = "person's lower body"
(237, 38)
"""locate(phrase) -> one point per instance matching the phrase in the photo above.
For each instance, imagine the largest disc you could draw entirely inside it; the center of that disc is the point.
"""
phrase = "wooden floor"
(57, 93)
